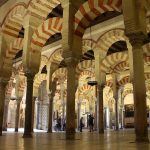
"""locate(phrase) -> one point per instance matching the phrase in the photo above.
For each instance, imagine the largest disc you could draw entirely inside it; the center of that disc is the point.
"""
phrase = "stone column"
(72, 47)
(50, 122)
(121, 115)
(111, 117)
(28, 109)
(95, 119)
(135, 13)
(100, 110)
(105, 117)
(17, 114)
(115, 95)
(3, 84)
(5, 115)
(62, 99)
(37, 113)
(139, 89)
(51, 97)
(33, 111)
(70, 103)
(100, 78)
(79, 114)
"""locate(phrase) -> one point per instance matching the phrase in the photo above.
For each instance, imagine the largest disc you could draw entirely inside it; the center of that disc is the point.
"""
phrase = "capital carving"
(137, 39)
(71, 61)
(29, 75)
(3, 82)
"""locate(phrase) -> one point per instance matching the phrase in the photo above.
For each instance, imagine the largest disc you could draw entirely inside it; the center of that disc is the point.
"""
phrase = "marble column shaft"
(115, 95)
(2, 100)
(33, 111)
(70, 103)
(139, 88)
(50, 121)
(17, 115)
(5, 115)
(28, 109)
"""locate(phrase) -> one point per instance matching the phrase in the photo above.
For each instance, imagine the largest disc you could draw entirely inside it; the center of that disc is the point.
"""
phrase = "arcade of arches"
(69, 59)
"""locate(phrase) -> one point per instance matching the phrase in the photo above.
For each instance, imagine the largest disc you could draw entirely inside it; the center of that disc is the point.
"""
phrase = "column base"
(27, 135)
(117, 129)
(70, 135)
(49, 131)
(1, 131)
(101, 131)
(16, 129)
(142, 139)
(4, 129)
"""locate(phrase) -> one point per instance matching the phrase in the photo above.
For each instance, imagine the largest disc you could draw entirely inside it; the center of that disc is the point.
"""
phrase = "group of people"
(90, 123)
(60, 124)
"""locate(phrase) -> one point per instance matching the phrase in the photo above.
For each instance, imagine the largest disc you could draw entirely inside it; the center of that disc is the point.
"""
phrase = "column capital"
(3, 82)
(137, 39)
(31, 21)
(71, 61)
(29, 75)
(18, 100)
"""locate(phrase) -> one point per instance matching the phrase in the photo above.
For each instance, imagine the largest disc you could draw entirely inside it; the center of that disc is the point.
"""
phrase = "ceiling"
(2, 2)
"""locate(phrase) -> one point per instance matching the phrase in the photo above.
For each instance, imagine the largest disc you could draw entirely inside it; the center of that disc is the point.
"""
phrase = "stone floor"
(111, 140)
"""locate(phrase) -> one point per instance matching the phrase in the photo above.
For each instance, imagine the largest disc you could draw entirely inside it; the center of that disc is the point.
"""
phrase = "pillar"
(95, 119)
(135, 13)
(62, 99)
(139, 89)
(28, 109)
(70, 103)
(51, 97)
(110, 117)
(100, 78)
(50, 122)
(33, 111)
(5, 115)
(37, 113)
(3, 84)
(79, 114)
(115, 95)
(17, 114)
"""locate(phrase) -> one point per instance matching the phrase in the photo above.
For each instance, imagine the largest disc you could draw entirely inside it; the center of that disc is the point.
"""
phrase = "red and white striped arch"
(60, 73)
(112, 60)
(147, 76)
(127, 92)
(110, 37)
(38, 79)
(85, 89)
(22, 85)
(14, 48)
(109, 83)
(56, 56)
(146, 49)
(9, 87)
(84, 65)
(20, 70)
(45, 31)
(41, 8)
(14, 20)
(44, 61)
(88, 44)
(121, 67)
(147, 60)
(124, 81)
(86, 73)
(92, 9)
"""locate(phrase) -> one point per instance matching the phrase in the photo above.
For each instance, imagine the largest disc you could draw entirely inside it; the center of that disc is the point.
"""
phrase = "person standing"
(91, 122)
(81, 124)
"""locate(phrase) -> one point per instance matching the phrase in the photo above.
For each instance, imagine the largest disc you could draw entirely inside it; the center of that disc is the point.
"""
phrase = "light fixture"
(91, 82)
